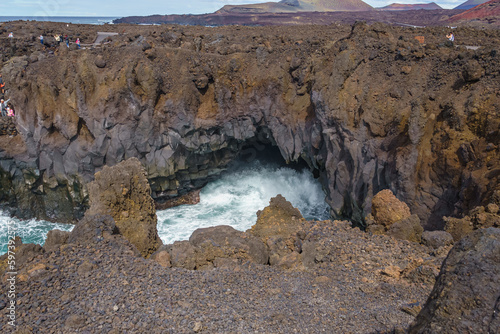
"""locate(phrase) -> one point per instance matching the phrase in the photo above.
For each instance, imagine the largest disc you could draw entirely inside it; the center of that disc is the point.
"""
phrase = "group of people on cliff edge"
(7, 109)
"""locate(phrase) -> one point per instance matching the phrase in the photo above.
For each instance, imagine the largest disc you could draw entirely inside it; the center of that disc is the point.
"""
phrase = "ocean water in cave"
(235, 198)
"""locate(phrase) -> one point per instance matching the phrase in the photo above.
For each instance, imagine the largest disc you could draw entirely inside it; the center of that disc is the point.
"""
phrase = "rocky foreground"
(284, 275)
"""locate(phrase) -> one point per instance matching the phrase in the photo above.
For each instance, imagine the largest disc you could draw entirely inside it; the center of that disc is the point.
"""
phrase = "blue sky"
(146, 7)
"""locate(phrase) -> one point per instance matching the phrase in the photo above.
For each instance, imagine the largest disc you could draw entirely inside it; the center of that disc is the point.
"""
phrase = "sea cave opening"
(258, 173)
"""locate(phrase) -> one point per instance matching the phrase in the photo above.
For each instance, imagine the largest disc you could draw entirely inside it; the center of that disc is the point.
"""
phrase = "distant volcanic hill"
(488, 12)
(470, 4)
(286, 6)
(399, 6)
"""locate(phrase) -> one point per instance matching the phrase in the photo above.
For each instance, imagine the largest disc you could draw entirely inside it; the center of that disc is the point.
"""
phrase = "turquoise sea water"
(68, 19)
(233, 200)
(31, 231)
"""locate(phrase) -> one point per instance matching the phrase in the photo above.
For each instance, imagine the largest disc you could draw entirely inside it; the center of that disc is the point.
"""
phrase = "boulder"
(473, 71)
(91, 229)
(123, 192)
(55, 238)
(436, 239)
(387, 209)
(407, 229)
(458, 227)
(280, 218)
(162, 257)
(479, 217)
(225, 242)
(466, 296)
(277, 226)
(182, 254)
(215, 247)
(100, 62)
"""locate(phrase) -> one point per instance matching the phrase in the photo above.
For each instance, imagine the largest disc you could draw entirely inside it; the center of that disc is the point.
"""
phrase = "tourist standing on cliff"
(77, 42)
(451, 37)
(10, 110)
(66, 39)
(41, 39)
(3, 106)
(2, 85)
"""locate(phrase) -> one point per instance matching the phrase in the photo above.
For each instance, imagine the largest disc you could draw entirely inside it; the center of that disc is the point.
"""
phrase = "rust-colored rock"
(387, 209)
(407, 229)
(55, 238)
(280, 219)
(190, 198)
(479, 217)
(123, 192)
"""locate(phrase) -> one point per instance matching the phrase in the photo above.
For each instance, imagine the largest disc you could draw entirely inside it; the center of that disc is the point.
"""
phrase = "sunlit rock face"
(367, 107)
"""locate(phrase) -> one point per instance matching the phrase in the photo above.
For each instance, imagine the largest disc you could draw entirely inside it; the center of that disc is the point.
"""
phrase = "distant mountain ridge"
(399, 6)
(488, 11)
(470, 4)
(286, 6)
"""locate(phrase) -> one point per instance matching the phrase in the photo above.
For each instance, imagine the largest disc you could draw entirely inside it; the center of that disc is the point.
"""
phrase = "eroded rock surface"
(123, 193)
(186, 100)
(466, 296)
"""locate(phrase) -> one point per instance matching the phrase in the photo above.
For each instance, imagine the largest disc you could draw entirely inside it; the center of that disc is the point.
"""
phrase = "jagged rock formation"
(219, 246)
(466, 296)
(122, 192)
(479, 217)
(187, 100)
(282, 238)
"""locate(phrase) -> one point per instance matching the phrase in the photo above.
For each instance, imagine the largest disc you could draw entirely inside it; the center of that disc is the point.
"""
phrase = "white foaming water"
(30, 231)
(236, 197)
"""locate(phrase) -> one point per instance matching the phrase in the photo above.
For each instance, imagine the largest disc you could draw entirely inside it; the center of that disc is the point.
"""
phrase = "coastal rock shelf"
(367, 107)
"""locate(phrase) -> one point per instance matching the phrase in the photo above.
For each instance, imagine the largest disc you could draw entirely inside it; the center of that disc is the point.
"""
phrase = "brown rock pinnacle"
(123, 192)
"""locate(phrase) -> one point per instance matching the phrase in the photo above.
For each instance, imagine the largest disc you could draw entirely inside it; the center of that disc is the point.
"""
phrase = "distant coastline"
(69, 19)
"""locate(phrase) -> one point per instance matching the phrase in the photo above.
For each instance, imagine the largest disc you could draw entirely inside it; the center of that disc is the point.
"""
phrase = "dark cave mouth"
(257, 173)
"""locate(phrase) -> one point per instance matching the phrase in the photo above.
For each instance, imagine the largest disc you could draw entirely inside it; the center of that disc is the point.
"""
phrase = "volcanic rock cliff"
(367, 108)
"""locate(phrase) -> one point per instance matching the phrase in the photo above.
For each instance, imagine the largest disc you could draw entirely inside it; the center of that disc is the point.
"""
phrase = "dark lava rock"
(182, 254)
(473, 71)
(55, 238)
(436, 239)
(466, 296)
(407, 229)
(224, 242)
(92, 228)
